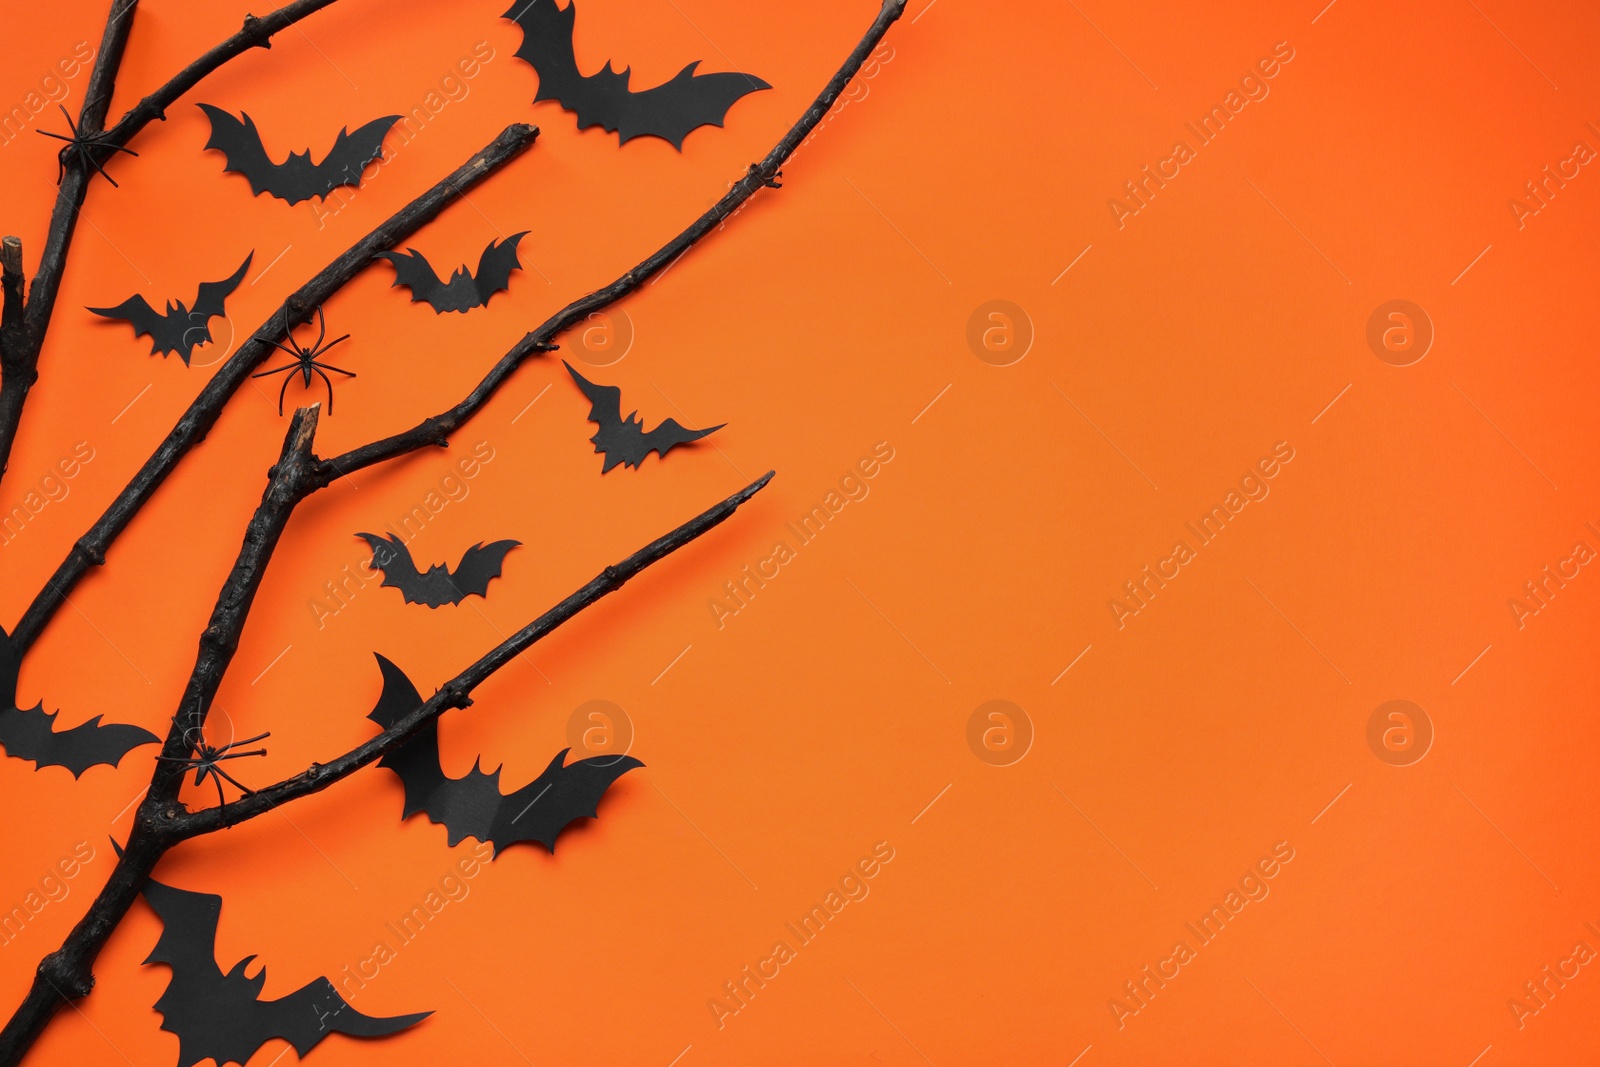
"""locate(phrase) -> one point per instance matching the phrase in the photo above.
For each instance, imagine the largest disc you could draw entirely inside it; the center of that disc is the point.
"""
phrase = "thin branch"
(437, 429)
(78, 169)
(457, 692)
(196, 422)
(11, 279)
(21, 367)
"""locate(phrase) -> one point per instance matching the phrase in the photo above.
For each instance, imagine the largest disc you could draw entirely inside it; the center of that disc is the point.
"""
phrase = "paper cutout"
(669, 111)
(465, 290)
(296, 178)
(306, 362)
(220, 1016)
(178, 329)
(473, 806)
(625, 440)
(31, 734)
(479, 565)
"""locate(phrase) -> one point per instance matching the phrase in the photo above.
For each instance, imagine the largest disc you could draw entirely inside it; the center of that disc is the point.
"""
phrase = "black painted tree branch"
(437, 429)
(19, 349)
(162, 820)
(89, 550)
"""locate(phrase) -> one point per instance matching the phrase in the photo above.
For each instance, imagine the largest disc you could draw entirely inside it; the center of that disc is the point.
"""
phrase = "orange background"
(974, 162)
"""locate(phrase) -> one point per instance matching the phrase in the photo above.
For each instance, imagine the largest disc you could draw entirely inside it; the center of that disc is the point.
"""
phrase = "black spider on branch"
(207, 757)
(89, 148)
(306, 360)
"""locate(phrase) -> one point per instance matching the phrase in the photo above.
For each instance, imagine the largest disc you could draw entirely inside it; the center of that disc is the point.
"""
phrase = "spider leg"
(57, 136)
(321, 349)
(295, 351)
(286, 380)
(246, 790)
(326, 381)
(239, 755)
(246, 741)
(275, 370)
(338, 370)
(221, 800)
(322, 331)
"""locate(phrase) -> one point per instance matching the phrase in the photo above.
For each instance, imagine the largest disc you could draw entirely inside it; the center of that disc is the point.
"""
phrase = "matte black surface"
(479, 565)
(625, 440)
(296, 178)
(473, 806)
(669, 111)
(465, 290)
(179, 329)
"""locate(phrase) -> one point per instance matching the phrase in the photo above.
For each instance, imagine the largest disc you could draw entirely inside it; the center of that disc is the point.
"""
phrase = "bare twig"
(436, 429)
(90, 549)
(12, 281)
(78, 166)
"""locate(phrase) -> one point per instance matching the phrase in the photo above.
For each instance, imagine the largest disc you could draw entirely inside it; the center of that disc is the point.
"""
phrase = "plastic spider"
(89, 147)
(207, 757)
(305, 361)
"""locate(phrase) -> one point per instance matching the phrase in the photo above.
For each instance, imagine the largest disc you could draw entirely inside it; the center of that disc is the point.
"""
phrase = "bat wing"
(605, 411)
(390, 555)
(495, 267)
(670, 435)
(219, 1016)
(165, 331)
(473, 806)
(412, 270)
(563, 794)
(350, 154)
(479, 565)
(240, 145)
(209, 302)
(674, 109)
(669, 111)
(31, 735)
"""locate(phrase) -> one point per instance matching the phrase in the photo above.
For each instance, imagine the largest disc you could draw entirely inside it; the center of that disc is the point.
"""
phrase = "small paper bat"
(473, 806)
(296, 178)
(479, 565)
(179, 329)
(464, 291)
(31, 735)
(221, 1016)
(625, 440)
(669, 111)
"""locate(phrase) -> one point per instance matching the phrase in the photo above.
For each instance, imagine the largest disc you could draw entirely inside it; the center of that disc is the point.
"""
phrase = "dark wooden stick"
(89, 550)
(12, 281)
(436, 429)
(67, 974)
(19, 359)
(20, 368)
(162, 821)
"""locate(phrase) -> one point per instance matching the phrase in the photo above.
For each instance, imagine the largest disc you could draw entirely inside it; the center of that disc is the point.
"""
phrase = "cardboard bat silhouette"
(479, 565)
(669, 111)
(179, 329)
(625, 440)
(465, 290)
(296, 178)
(31, 734)
(220, 1016)
(473, 806)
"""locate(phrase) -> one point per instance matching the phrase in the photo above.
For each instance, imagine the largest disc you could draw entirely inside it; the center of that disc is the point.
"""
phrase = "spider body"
(306, 362)
(207, 760)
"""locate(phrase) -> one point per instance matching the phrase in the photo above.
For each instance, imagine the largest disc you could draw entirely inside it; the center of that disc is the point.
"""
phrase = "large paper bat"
(479, 565)
(296, 178)
(179, 329)
(669, 111)
(31, 734)
(625, 440)
(473, 806)
(221, 1016)
(465, 290)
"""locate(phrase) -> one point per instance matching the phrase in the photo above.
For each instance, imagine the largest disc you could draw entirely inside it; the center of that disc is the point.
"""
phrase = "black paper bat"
(473, 806)
(465, 290)
(179, 329)
(625, 440)
(479, 565)
(31, 735)
(221, 1016)
(669, 111)
(296, 178)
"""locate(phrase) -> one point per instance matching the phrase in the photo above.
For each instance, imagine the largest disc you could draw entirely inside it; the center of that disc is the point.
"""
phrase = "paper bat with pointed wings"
(479, 565)
(473, 806)
(465, 290)
(669, 111)
(179, 329)
(625, 441)
(31, 734)
(296, 178)
(222, 1017)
